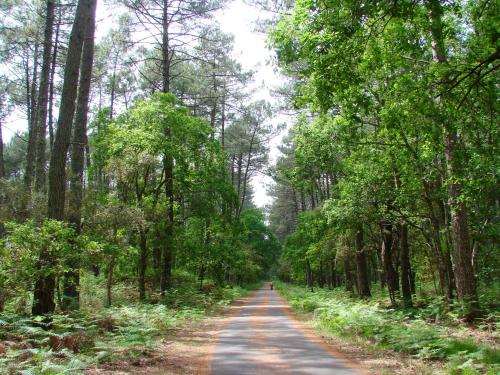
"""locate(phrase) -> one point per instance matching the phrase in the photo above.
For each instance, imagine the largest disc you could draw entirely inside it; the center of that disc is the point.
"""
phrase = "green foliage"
(397, 103)
(24, 243)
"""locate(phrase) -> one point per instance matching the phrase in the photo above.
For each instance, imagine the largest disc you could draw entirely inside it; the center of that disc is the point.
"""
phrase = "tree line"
(389, 173)
(139, 153)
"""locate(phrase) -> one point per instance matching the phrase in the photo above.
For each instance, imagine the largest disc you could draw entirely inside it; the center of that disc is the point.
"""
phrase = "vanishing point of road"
(263, 338)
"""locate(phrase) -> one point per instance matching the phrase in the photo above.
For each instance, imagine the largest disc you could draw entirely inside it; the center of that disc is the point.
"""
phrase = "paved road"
(264, 339)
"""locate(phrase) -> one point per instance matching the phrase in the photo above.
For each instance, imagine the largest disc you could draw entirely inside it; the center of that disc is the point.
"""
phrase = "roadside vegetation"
(129, 332)
(432, 331)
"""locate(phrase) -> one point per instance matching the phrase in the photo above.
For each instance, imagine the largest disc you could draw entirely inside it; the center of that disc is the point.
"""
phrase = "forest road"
(263, 338)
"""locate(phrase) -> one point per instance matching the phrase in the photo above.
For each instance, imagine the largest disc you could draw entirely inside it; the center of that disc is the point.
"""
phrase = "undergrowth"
(78, 341)
(429, 332)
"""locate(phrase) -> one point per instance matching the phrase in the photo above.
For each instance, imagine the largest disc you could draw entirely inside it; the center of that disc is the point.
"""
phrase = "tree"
(247, 140)
(389, 75)
(43, 299)
(79, 142)
(43, 97)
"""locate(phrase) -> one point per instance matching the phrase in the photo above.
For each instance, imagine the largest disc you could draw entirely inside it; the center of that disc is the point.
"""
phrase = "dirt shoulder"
(366, 356)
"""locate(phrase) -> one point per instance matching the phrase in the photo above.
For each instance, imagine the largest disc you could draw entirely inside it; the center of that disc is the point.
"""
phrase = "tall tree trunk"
(168, 164)
(223, 119)
(239, 171)
(303, 206)
(247, 169)
(2, 175)
(361, 267)
(390, 272)
(143, 261)
(52, 79)
(348, 274)
(321, 276)
(405, 266)
(32, 127)
(462, 254)
(113, 89)
(213, 110)
(43, 94)
(309, 276)
(71, 294)
(2, 163)
(379, 265)
(43, 297)
(109, 280)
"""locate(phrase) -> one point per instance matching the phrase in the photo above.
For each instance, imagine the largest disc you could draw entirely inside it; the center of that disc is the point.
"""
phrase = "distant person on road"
(271, 286)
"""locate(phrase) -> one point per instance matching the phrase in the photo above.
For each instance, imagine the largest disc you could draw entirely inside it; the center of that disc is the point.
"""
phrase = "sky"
(250, 50)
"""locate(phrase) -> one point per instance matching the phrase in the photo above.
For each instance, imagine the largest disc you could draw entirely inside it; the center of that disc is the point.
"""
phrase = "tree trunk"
(390, 272)
(405, 267)
(309, 276)
(333, 275)
(321, 276)
(43, 297)
(201, 275)
(43, 94)
(462, 254)
(361, 267)
(71, 294)
(51, 82)
(143, 261)
(2, 163)
(2, 175)
(109, 280)
(348, 274)
(239, 169)
(380, 266)
(223, 120)
(32, 127)
(168, 164)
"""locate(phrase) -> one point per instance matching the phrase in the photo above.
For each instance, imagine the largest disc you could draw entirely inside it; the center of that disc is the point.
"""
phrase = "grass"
(430, 332)
(98, 335)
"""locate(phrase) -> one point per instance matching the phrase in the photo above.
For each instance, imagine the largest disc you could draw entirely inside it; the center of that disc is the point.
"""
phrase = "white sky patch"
(250, 50)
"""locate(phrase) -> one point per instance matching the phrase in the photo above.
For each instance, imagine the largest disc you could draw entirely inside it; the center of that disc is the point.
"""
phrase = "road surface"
(264, 338)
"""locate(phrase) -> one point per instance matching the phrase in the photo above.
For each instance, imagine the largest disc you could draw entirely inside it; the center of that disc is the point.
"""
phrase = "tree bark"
(109, 280)
(309, 276)
(51, 84)
(2, 175)
(43, 297)
(361, 267)
(168, 164)
(2, 162)
(43, 94)
(143, 258)
(32, 127)
(405, 267)
(348, 274)
(71, 293)
(390, 272)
